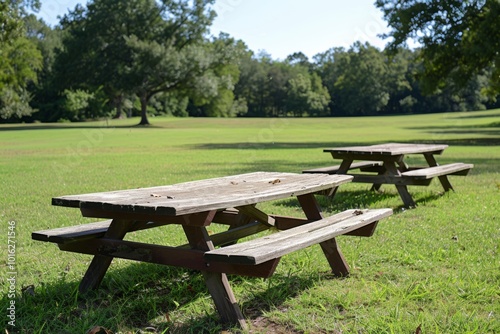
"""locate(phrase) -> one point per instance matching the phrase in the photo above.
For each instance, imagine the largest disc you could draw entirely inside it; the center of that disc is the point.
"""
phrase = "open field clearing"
(435, 267)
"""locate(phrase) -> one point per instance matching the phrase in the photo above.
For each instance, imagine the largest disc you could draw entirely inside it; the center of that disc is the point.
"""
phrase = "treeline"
(145, 57)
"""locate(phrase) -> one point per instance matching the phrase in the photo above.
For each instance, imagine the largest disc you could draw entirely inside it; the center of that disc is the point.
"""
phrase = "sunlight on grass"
(436, 266)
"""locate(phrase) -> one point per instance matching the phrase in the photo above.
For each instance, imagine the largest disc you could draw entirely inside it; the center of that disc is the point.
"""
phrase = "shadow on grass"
(245, 146)
(470, 115)
(145, 297)
(249, 146)
(67, 126)
(362, 199)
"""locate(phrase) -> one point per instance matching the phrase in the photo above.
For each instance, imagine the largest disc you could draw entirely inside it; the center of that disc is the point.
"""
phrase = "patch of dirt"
(262, 325)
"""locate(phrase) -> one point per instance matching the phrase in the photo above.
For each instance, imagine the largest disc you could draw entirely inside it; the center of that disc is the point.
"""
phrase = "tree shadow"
(472, 115)
(491, 130)
(246, 146)
(80, 126)
(346, 199)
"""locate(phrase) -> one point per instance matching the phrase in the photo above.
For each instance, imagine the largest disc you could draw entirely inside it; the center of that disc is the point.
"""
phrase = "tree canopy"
(140, 47)
(459, 39)
(19, 60)
(157, 57)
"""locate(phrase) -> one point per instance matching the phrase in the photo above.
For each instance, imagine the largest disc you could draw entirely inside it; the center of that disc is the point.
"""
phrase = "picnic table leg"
(343, 169)
(402, 189)
(344, 166)
(100, 263)
(443, 178)
(330, 248)
(377, 186)
(217, 283)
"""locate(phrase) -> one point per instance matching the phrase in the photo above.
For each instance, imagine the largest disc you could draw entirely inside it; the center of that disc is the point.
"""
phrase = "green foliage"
(273, 88)
(307, 96)
(135, 47)
(362, 72)
(11, 14)
(10, 24)
(14, 103)
(459, 39)
(366, 81)
(158, 54)
(82, 105)
(19, 60)
(169, 103)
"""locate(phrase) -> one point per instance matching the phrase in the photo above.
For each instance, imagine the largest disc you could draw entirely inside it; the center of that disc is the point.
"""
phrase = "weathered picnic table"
(194, 205)
(387, 161)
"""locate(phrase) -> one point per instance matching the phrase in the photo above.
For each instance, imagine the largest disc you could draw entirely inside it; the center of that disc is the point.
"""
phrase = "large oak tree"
(140, 47)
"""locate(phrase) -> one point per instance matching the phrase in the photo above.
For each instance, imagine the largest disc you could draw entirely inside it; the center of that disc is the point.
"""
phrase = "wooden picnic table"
(195, 205)
(388, 162)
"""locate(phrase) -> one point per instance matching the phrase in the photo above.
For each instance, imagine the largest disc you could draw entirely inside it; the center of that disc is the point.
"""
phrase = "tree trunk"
(118, 102)
(144, 108)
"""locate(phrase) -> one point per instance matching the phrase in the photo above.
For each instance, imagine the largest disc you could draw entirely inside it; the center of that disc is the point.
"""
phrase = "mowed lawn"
(435, 267)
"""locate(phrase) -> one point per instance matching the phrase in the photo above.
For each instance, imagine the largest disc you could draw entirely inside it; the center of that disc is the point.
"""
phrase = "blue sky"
(282, 27)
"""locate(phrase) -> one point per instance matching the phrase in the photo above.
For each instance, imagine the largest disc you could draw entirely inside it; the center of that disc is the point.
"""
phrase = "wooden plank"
(443, 179)
(390, 179)
(276, 245)
(100, 263)
(333, 255)
(204, 195)
(227, 217)
(237, 233)
(217, 283)
(88, 231)
(335, 169)
(389, 149)
(72, 233)
(335, 258)
(367, 156)
(431, 172)
(165, 255)
(252, 212)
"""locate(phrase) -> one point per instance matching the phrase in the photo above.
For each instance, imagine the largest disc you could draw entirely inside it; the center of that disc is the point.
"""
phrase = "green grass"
(436, 266)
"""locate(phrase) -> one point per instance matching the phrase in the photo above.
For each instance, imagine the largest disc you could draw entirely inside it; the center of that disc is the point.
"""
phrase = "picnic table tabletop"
(204, 195)
(389, 149)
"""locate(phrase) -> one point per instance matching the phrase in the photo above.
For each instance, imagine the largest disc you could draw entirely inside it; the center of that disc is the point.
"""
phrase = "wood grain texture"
(72, 233)
(205, 195)
(431, 172)
(278, 244)
(389, 149)
(335, 169)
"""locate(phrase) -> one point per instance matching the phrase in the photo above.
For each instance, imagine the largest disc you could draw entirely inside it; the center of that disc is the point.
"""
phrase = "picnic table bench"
(387, 161)
(195, 205)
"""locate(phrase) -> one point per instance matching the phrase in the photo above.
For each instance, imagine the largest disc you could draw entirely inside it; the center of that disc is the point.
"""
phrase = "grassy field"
(436, 267)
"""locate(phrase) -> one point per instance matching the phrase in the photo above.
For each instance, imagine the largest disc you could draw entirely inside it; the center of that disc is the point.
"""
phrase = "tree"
(226, 73)
(459, 39)
(19, 60)
(251, 86)
(141, 47)
(358, 84)
(306, 96)
(46, 98)
(401, 82)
